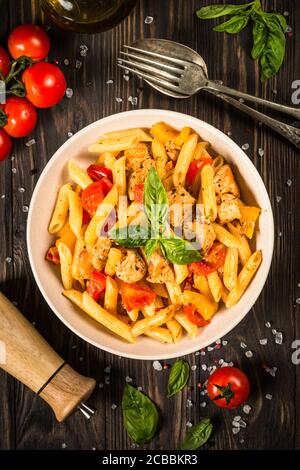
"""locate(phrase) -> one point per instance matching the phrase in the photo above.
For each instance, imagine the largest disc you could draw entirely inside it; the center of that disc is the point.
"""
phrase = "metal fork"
(181, 78)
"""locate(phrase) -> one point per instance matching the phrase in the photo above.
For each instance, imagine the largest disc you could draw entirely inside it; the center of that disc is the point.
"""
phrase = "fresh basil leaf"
(155, 201)
(273, 53)
(259, 34)
(140, 415)
(215, 11)
(279, 18)
(179, 251)
(234, 25)
(179, 375)
(131, 236)
(150, 246)
(197, 435)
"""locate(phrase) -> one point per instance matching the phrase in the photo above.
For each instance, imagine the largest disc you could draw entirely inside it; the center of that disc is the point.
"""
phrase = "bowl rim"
(160, 113)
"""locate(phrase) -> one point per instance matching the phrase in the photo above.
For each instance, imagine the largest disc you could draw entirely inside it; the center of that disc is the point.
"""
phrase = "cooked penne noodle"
(231, 268)
(249, 216)
(75, 213)
(175, 293)
(201, 150)
(60, 212)
(114, 145)
(104, 209)
(161, 290)
(119, 175)
(65, 246)
(137, 133)
(160, 157)
(217, 163)
(168, 182)
(114, 257)
(243, 248)
(184, 159)
(163, 132)
(175, 329)
(133, 314)
(111, 295)
(149, 310)
(160, 334)
(81, 262)
(201, 284)
(78, 175)
(208, 193)
(215, 285)
(183, 320)
(181, 272)
(204, 306)
(65, 229)
(182, 137)
(107, 159)
(161, 317)
(225, 237)
(244, 278)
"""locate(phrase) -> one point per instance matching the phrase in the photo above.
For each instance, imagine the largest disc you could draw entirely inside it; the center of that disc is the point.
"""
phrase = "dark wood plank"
(271, 424)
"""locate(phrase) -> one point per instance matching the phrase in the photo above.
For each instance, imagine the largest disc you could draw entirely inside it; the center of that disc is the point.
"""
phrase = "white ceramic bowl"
(38, 239)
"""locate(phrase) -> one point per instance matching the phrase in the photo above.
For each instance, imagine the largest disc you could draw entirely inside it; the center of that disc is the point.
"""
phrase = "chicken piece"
(180, 202)
(138, 175)
(225, 183)
(201, 232)
(100, 253)
(136, 155)
(159, 270)
(229, 209)
(172, 150)
(132, 267)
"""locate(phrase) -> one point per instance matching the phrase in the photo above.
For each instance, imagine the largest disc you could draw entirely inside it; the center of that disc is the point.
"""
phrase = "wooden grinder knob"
(28, 357)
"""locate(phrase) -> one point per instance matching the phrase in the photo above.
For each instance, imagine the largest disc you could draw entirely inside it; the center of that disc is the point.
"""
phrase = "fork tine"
(184, 63)
(152, 70)
(146, 76)
(171, 68)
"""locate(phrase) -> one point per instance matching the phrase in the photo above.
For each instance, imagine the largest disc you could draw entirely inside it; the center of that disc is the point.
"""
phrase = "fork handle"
(289, 132)
(217, 87)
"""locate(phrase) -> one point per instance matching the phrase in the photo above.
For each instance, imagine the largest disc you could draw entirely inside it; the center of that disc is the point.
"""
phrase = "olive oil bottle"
(87, 16)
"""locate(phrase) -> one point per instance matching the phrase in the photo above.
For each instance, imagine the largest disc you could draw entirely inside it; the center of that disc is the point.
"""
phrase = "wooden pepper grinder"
(28, 357)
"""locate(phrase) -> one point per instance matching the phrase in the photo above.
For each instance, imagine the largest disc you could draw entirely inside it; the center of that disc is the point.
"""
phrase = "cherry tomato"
(45, 84)
(138, 192)
(85, 217)
(196, 166)
(4, 62)
(96, 172)
(96, 285)
(194, 317)
(214, 260)
(21, 116)
(91, 197)
(106, 185)
(228, 387)
(136, 296)
(5, 144)
(53, 255)
(30, 40)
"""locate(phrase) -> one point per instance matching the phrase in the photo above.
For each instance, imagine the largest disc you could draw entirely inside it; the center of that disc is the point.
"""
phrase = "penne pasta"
(78, 175)
(160, 334)
(208, 193)
(184, 159)
(244, 278)
(137, 133)
(107, 159)
(204, 306)
(161, 317)
(161, 290)
(163, 132)
(182, 137)
(111, 295)
(215, 285)
(231, 268)
(225, 237)
(119, 175)
(133, 314)
(65, 246)
(160, 157)
(189, 327)
(81, 262)
(243, 247)
(114, 145)
(181, 272)
(217, 163)
(61, 209)
(174, 292)
(75, 213)
(175, 329)
(249, 216)
(114, 257)
(201, 284)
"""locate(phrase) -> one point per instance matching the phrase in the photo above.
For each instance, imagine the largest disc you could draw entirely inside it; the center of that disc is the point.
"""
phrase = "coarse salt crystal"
(8, 259)
(107, 370)
(64, 445)
(245, 146)
(148, 20)
(118, 99)
(14, 170)
(235, 430)
(203, 366)
(261, 152)
(189, 403)
(66, 62)
(25, 208)
(247, 409)
(203, 353)
(83, 50)
(126, 77)
(101, 385)
(288, 29)
(109, 82)
(30, 142)
(278, 337)
(21, 190)
(210, 348)
(230, 364)
(203, 404)
(289, 182)
(235, 424)
(69, 92)
(140, 389)
(269, 396)
(243, 345)
(278, 198)
(263, 341)
(107, 380)
(157, 365)
(274, 331)
(221, 361)
(3, 197)
(128, 379)
(193, 367)
(189, 424)
(298, 300)
(285, 13)
(229, 133)
(268, 324)
(224, 342)
(237, 418)
(218, 341)
(197, 353)
(242, 424)
(114, 406)
(133, 100)
(78, 64)
(241, 100)
(249, 353)
(81, 358)
(224, 364)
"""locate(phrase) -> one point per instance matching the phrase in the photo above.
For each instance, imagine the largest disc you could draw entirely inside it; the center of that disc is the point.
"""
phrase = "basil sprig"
(268, 31)
(179, 375)
(175, 249)
(197, 435)
(140, 415)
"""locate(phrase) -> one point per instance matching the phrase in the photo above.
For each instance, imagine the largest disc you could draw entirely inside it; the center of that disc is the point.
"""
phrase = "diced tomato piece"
(138, 192)
(194, 316)
(94, 194)
(106, 185)
(96, 285)
(97, 172)
(195, 166)
(85, 217)
(136, 296)
(214, 260)
(53, 255)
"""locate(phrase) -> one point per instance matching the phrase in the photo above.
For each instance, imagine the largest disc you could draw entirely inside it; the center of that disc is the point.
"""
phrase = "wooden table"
(25, 421)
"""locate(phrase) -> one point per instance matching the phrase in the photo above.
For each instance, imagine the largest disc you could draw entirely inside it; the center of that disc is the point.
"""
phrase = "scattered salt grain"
(107, 370)
(3, 197)
(249, 354)
(268, 324)
(133, 100)
(114, 406)
(221, 361)
(289, 182)
(109, 82)
(288, 29)
(30, 142)
(193, 367)
(21, 190)
(203, 366)
(204, 392)
(230, 364)
(69, 92)
(269, 396)
(242, 441)
(157, 365)
(280, 234)
(14, 170)
(126, 77)
(74, 346)
(278, 337)
(261, 152)
(245, 146)
(140, 389)
(107, 380)
(235, 430)
(243, 345)
(274, 331)
(8, 259)
(202, 353)
(70, 134)
(189, 403)
(197, 353)
(224, 342)
(83, 50)
(218, 341)
(12, 158)
(148, 20)
(25, 208)
(242, 424)
(78, 64)
(237, 418)
(224, 364)
(210, 348)
(236, 424)
(203, 404)
(118, 99)
(278, 199)
(101, 385)
(128, 379)
(66, 62)
(189, 424)
(81, 358)
(263, 341)
(229, 133)
(241, 100)
(298, 301)
(247, 409)
(64, 445)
